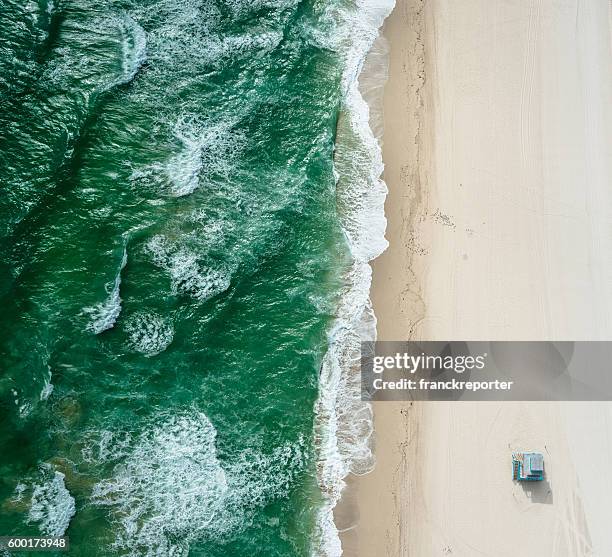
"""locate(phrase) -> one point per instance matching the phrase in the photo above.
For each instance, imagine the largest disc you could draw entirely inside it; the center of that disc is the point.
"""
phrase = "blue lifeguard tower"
(527, 467)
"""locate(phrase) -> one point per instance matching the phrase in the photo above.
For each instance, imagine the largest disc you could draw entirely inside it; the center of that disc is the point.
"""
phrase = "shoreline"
(343, 423)
(498, 155)
(368, 499)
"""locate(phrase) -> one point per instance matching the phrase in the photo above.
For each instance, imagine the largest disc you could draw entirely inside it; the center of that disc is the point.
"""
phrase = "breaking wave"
(47, 389)
(149, 333)
(188, 275)
(128, 39)
(205, 149)
(52, 505)
(105, 315)
(133, 49)
(170, 488)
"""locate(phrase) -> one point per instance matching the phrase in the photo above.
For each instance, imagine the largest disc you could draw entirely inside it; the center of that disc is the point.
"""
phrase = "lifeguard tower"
(527, 467)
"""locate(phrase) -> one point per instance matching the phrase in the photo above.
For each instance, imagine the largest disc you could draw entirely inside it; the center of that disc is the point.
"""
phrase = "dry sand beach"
(498, 157)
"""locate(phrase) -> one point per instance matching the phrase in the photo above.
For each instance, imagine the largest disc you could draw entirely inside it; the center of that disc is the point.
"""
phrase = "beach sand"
(498, 157)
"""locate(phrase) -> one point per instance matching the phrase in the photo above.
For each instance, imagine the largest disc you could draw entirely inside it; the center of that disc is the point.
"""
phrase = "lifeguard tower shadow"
(538, 492)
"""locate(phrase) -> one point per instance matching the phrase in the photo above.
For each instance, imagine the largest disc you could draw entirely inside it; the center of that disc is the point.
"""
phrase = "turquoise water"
(171, 261)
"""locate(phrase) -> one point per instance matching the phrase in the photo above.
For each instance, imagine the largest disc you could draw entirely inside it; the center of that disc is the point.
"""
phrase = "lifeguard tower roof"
(527, 467)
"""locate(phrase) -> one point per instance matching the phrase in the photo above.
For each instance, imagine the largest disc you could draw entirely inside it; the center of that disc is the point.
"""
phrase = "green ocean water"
(170, 264)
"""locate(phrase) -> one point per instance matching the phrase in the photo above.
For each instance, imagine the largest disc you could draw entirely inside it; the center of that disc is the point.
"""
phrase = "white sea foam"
(253, 44)
(100, 71)
(205, 149)
(47, 389)
(189, 34)
(344, 423)
(169, 487)
(171, 482)
(23, 408)
(133, 49)
(240, 7)
(52, 505)
(184, 168)
(188, 275)
(200, 145)
(106, 446)
(20, 490)
(149, 333)
(105, 314)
